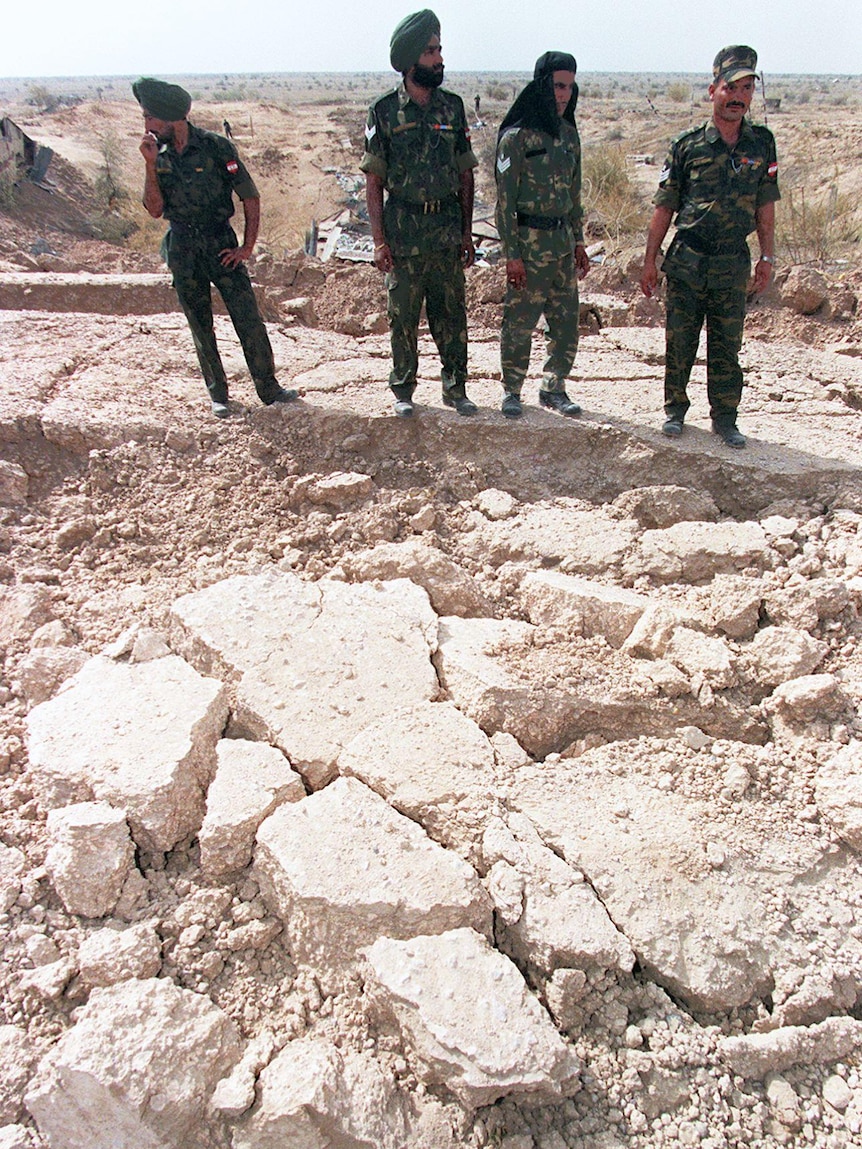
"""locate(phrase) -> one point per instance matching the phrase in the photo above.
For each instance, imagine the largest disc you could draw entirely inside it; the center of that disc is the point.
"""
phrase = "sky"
(187, 37)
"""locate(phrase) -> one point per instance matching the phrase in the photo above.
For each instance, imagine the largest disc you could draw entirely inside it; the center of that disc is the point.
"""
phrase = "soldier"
(539, 217)
(417, 147)
(190, 179)
(722, 181)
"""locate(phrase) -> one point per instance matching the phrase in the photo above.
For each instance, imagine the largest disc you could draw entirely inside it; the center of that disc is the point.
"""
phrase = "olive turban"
(410, 39)
(164, 101)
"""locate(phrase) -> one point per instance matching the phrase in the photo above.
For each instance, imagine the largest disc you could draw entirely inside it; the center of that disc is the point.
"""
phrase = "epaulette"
(689, 132)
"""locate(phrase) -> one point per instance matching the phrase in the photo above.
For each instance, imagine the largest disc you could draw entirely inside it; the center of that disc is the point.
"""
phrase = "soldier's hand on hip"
(516, 274)
(233, 256)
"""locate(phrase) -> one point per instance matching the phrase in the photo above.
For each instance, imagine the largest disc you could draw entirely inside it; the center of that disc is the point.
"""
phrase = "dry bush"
(609, 196)
(678, 92)
(815, 228)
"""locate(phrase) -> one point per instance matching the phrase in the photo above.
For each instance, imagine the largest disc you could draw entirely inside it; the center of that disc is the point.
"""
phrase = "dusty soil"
(108, 418)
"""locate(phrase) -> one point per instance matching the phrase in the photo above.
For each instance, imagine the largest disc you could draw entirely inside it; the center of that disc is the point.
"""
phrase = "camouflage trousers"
(552, 289)
(722, 305)
(196, 267)
(438, 281)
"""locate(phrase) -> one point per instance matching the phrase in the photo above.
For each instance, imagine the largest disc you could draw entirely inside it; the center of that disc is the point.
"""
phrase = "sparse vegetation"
(679, 93)
(815, 228)
(41, 97)
(610, 198)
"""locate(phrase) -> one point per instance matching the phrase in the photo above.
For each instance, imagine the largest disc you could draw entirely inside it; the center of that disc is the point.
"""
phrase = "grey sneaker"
(559, 401)
(512, 408)
(672, 427)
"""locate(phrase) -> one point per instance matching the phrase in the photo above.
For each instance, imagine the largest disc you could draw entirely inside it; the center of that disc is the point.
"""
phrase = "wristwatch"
(767, 259)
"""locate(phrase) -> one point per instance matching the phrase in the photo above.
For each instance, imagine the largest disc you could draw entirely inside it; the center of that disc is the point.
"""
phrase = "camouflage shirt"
(716, 190)
(419, 153)
(197, 184)
(538, 175)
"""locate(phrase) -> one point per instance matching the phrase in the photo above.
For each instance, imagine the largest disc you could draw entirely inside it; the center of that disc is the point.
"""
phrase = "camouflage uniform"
(539, 176)
(420, 153)
(197, 186)
(716, 192)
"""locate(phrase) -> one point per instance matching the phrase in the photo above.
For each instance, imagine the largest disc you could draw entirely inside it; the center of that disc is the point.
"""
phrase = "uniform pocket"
(685, 264)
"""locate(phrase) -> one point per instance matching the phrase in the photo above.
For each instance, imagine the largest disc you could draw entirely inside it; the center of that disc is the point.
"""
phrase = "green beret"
(410, 39)
(164, 101)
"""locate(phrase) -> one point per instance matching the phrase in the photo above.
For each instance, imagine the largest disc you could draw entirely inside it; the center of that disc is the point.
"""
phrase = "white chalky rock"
(784, 1102)
(584, 606)
(450, 588)
(734, 604)
(109, 956)
(778, 653)
(652, 634)
(313, 1095)
(90, 856)
(662, 506)
(140, 737)
(136, 1070)
(12, 867)
(839, 793)
(696, 552)
(341, 489)
(252, 779)
(17, 1057)
(701, 655)
(496, 505)
(44, 669)
(432, 764)
(804, 700)
(314, 663)
(14, 484)
(754, 1055)
(469, 1019)
(342, 868)
(836, 1092)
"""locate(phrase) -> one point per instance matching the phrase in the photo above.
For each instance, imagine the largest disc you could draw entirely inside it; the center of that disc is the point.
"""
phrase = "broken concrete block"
(468, 1020)
(662, 506)
(582, 605)
(42, 671)
(314, 1095)
(338, 490)
(109, 956)
(652, 633)
(141, 737)
(807, 699)
(434, 765)
(18, 1055)
(753, 1055)
(346, 656)
(701, 656)
(12, 867)
(562, 923)
(136, 1070)
(839, 793)
(252, 778)
(778, 653)
(696, 552)
(451, 589)
(734, 604)
(342, 867)
(90, 856)
(806, 604)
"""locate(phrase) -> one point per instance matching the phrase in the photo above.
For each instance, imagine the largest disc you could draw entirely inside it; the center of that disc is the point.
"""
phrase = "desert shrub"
(814, 228)
(40, 96)
(678, 92)
(496, 92)
(610, 197)
(108, 184)
(7, 190)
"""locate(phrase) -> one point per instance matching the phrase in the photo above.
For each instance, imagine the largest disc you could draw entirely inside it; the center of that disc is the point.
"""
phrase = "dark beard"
(427, 77)
(167, 136)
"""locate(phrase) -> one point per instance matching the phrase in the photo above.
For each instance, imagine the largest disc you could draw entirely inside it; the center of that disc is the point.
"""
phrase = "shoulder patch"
(503, 164)
(665, 172)
(370, 131)
(772, 170)
(232, 166)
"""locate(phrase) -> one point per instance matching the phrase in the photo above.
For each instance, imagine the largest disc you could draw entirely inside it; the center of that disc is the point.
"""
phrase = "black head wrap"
(536, 107)
(167, 102)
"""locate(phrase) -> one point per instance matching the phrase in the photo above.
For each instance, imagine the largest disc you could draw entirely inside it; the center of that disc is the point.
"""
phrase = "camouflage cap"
(410, 39)
(167, 102)
(734, 63)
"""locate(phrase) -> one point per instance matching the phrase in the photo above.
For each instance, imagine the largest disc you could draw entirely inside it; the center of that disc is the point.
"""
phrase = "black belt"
(542, 222)
(428, 206)
(702, 246)
(204, 229)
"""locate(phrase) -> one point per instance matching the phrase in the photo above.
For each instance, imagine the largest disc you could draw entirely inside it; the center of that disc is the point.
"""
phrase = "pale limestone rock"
(48, 981)
(149, 644)
(252, 778)
(582, 539)
(839, 793)
(696, 552)
(234, 1094)
(582, 605)
(136, 1070)
(562, 923)
(346, 656)
(23, 610)
(836, 1092)
(42, 671)
(90, 856)
(18, 1055)
(140, 737)
(784, 1102)
(450, 588)
(734, 604)
(806, 699)
(54, 633)
(434, 765)
(701, 934)
(652, 633)
(12, 867)
(109, 956)
(804, 605)
(340, 490)
(564, 992)
(662, 506)
(16, 1137)
(778, 653)
(314, 1095)
(506, 886)
(804, 290)
(700, 655)
(468, 1019)
(342, 868)
(14, 484)
(495, 505)
(754, 1055)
